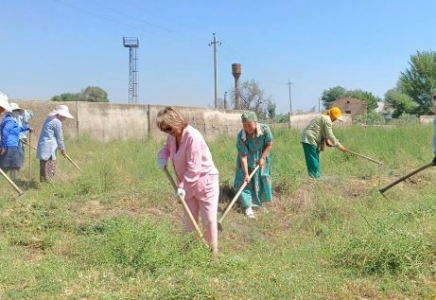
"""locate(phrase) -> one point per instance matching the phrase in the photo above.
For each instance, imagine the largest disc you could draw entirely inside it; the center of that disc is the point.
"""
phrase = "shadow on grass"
(27, 185)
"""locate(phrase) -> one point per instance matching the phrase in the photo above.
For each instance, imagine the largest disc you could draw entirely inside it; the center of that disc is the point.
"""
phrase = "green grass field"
(114, 232)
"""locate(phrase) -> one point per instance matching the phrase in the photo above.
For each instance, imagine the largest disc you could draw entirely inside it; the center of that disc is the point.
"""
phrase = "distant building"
(380, 107)
(350, 107)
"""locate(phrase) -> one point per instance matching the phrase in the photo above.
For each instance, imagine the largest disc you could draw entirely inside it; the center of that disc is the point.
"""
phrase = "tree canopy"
(338, 92)
(419, 80)
(91, 94)
(400, 103)
(254, 98)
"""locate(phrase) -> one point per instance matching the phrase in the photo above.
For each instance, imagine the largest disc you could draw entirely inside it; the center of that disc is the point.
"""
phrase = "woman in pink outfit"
(196, 173)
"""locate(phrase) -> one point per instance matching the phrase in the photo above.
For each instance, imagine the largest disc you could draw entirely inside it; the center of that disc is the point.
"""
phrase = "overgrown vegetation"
(114, 231)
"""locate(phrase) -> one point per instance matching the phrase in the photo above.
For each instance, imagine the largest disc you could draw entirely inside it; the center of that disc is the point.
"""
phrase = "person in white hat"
(22, 116)
(51, 139)
(4, 103)
(11, 155)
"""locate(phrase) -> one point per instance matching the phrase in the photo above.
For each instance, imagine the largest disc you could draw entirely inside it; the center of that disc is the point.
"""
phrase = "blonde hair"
(169, 116)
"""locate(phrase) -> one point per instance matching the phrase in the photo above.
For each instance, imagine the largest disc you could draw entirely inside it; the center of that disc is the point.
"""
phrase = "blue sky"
(49, 47)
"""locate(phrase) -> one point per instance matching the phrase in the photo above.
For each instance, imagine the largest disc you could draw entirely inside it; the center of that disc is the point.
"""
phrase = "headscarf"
(249, 116)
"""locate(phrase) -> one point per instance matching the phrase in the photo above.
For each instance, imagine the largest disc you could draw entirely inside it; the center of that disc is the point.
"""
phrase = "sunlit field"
(114, 231)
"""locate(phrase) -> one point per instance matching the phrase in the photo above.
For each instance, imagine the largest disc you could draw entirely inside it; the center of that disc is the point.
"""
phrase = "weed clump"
(385, 250)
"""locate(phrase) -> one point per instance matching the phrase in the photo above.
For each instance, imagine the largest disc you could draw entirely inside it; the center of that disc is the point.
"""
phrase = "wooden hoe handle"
(74, 164)
(20, 192)
(185, 206)
(236, 196)
(383, 190)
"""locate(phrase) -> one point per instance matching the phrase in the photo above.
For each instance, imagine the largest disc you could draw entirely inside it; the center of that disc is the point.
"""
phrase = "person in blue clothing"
(10, 154)
(51, 139)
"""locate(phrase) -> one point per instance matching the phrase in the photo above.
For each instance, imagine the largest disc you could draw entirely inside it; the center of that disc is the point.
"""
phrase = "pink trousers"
(205, 205)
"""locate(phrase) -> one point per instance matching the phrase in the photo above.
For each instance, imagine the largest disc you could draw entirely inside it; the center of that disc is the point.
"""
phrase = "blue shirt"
(50, 139)
(11, 130)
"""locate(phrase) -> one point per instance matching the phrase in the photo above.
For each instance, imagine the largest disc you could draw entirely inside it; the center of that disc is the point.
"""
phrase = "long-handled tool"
(30, 156)
(28, 143)
(185, 206)
(379, 163)
(383, 190)
(20, 192)
(220, 221)
(74, 164)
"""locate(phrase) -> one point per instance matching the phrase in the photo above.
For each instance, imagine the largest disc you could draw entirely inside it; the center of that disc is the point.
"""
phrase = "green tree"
(253, 98)
(271, 109)
(94, 94)
(419, 80)
(91, 94)
(67, 97)
(367, 97)
(400, 103)
(332, 94)
(337, 92)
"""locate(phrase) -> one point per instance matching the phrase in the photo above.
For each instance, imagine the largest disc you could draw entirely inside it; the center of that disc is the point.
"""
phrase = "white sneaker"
(264, 210)
(249, 212)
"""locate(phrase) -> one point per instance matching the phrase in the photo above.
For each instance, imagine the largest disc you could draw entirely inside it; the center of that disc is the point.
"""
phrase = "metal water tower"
(132, 43)
(236, 71)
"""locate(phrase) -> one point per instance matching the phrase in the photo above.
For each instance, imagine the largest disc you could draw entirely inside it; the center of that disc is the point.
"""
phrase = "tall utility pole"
(290, 95)
(215, 42)
(132, 43)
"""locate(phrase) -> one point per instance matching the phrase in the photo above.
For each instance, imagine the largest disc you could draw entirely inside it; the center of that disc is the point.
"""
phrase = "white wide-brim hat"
(15, 106)
(61, 110)
(4, 102)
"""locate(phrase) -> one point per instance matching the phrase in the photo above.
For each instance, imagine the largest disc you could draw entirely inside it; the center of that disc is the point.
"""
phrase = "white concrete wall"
(108, 122)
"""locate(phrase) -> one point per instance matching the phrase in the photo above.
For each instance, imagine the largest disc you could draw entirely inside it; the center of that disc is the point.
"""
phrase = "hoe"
(185, 206)
(379, 163)
(383, 190)
(73, 163)
(20, 192)
(220, 221)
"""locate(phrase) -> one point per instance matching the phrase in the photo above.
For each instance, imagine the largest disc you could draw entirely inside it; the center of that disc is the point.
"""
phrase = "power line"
(180, 35)
(131, 17)
(96, 15)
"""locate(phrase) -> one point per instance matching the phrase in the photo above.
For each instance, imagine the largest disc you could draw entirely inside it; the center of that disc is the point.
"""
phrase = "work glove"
(434, 161)
(162, 162)
(180, 193)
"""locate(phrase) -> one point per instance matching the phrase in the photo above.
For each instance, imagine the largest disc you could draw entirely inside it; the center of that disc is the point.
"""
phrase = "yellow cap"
(335, 112)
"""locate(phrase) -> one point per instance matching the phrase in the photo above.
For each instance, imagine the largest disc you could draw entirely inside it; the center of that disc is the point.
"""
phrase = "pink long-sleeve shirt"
(192, 161)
